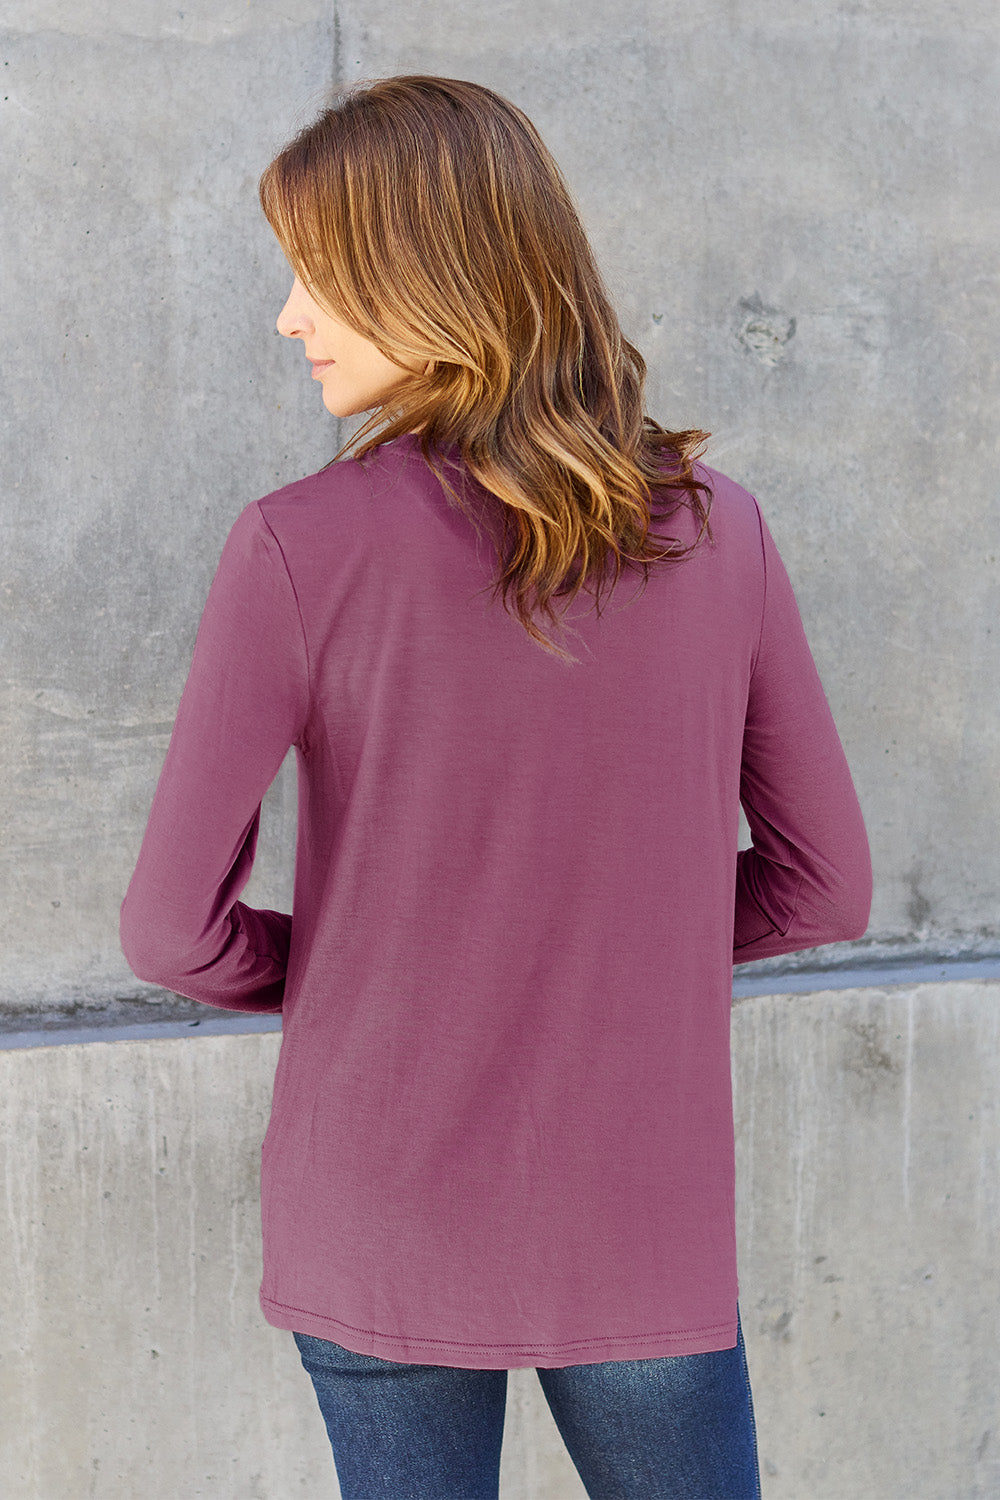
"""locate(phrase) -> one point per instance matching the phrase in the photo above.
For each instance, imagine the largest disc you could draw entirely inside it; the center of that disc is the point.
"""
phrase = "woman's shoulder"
(345, 484)
(734, 513)
(336, 483)
(731, 494)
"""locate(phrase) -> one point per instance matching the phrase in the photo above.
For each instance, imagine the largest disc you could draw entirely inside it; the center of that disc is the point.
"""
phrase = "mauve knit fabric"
(502, 1129)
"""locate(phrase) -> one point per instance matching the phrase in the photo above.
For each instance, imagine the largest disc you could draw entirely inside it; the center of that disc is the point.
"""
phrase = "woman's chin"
(343, 408)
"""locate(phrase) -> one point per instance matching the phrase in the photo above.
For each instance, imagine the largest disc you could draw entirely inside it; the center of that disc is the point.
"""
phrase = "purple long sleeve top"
(502, 1129)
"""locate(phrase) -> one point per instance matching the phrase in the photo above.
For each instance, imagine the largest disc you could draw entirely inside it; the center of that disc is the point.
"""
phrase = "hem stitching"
(647, 1338)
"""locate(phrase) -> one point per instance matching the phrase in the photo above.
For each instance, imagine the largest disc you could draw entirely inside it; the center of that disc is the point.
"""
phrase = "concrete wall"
(796, 209)
(134, 1359)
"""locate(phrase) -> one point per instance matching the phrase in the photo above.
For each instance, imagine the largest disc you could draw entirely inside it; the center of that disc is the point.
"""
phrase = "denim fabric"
(678, 1428)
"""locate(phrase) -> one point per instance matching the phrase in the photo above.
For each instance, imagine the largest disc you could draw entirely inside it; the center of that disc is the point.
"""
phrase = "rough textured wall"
(867, 1212)
(147, 400)
(795, 206)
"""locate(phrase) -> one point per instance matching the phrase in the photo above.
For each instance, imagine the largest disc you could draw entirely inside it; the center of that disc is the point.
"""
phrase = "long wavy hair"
(427, 214)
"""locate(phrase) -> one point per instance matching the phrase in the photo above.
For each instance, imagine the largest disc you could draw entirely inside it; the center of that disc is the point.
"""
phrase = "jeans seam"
(753, 1419)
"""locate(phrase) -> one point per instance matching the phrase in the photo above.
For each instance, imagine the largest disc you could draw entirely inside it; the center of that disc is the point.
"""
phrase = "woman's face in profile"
(354, 374)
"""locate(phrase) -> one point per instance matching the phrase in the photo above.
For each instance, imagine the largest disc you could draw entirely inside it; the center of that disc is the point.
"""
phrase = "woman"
(502, 1127)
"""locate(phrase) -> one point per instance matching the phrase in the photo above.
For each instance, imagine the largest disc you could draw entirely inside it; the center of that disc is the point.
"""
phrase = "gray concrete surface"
(134, 1359)
(796, 209)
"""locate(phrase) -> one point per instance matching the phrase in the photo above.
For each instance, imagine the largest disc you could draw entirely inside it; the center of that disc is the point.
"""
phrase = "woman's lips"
(319, 365)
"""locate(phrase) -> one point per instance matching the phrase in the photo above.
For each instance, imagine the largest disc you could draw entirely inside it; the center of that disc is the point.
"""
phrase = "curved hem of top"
(409, 1351)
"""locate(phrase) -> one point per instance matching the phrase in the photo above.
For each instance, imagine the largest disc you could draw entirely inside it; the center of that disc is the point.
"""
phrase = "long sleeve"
(807, 879)
(244, 704)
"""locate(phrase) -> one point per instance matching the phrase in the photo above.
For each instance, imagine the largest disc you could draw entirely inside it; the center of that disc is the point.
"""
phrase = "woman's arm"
(245, 702)
(807, 879)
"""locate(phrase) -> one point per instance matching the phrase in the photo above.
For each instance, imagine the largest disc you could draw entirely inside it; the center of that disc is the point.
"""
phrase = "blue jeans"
(677, 1428)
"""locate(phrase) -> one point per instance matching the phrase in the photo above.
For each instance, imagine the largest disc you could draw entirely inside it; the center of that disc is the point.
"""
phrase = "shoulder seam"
(298, 612)
(763, 601)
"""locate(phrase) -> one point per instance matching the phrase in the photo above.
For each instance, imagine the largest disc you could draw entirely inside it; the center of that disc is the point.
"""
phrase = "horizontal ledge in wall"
(865, 976)
(241, 1023)
(223, 1023)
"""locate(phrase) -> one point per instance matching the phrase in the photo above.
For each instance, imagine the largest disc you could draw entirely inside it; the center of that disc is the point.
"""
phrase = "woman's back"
(502, 1126)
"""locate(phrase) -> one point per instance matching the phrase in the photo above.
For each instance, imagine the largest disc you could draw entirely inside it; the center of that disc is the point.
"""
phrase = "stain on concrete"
(764, 332)
(868, 1056)
(779, 1328)
(918, 907)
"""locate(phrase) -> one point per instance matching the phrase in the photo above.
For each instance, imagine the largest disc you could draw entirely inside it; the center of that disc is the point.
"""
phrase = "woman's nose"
(292, 319)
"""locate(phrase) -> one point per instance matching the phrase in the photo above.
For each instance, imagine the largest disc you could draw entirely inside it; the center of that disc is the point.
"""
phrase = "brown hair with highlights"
(428, 215)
